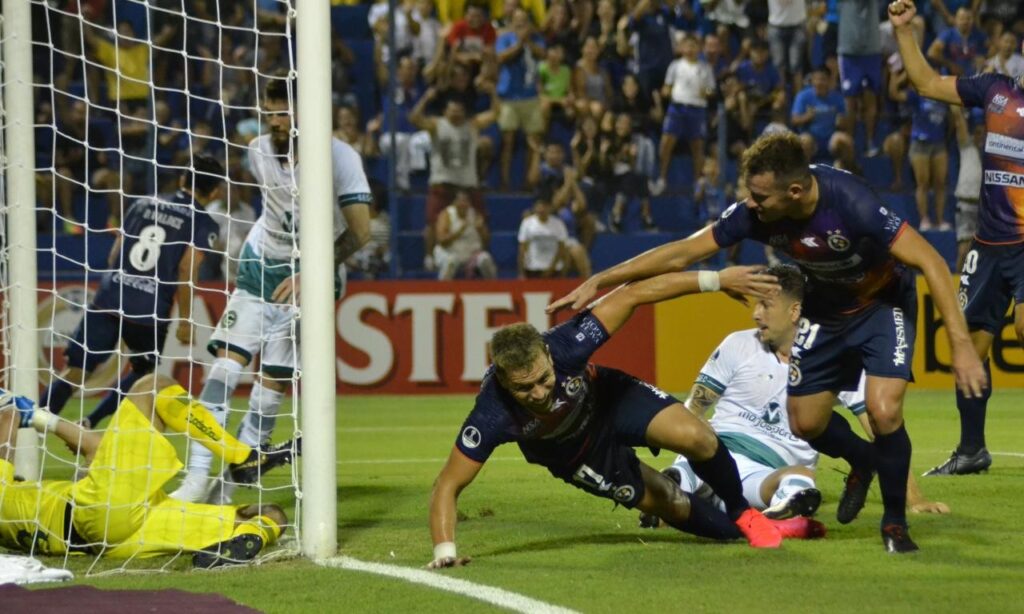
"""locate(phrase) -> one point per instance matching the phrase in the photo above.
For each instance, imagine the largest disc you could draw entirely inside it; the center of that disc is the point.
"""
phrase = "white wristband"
(44, 421)
(709, 281)
(444, 550)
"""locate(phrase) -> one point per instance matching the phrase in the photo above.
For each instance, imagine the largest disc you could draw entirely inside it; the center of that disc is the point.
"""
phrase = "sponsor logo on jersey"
(771, 414)
(837, 241)
(624, 494)
(471, 437)
(778, 240)
(1015, 180)
(998, 103)
(730, 210)
(590, 328)
(899, 353)
(810, 241)
(1020, 111)
(1006, 146)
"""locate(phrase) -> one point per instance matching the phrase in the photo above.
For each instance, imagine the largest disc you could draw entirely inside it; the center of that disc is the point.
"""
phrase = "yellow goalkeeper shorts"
(32, 513)
(129, 471)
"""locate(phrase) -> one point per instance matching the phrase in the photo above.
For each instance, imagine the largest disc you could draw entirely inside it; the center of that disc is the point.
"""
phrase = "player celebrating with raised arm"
(118, 509)
(993, 268)
(155, 262)
(859, 312)
(581, 422)
(745, 381)
(260, 316)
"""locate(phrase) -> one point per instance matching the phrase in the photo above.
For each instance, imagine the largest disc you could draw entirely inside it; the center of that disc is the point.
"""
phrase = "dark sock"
(720, 473)
(706, 520)
(892, 458)
(972, 418)
(839, 441)
(113, 398)
(56, 395)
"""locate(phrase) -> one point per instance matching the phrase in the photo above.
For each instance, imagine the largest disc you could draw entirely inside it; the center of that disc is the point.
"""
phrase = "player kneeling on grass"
(581, 422)
(745, 380)
(118, 509)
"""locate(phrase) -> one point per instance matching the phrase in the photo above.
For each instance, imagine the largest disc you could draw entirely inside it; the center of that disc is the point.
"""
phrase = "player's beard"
(281, 142)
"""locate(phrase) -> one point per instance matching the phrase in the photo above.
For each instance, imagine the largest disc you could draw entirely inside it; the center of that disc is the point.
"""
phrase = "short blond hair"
(515, 347)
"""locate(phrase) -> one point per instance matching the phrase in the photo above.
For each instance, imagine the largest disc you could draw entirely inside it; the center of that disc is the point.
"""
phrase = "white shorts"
(251, 326)
(752, 475)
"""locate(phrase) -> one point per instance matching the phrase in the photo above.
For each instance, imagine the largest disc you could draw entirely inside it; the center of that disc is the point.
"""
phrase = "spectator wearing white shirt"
(545, 250)
(787, 37)
(1006, 61)
(462, 238)
(689, 82)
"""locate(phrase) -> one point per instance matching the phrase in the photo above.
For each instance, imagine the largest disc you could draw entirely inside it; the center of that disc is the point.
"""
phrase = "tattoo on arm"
(701, 399)
(346, 245)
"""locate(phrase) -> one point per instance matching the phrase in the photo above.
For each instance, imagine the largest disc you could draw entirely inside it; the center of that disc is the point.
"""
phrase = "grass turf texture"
(532, 534)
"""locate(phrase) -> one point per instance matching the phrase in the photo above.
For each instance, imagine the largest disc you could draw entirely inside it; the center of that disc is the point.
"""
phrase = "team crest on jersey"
(771, 414)
(471, 437)
(961, 297)
(229, 319)
(837, 241)
(998, 103)
(574, 386)
(795, 376)
(624, 494)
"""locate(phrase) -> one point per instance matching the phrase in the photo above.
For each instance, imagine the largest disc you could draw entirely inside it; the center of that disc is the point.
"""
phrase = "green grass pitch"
(531, 534)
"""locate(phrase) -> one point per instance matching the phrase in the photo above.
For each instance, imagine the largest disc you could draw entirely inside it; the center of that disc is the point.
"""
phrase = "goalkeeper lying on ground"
(118, 509)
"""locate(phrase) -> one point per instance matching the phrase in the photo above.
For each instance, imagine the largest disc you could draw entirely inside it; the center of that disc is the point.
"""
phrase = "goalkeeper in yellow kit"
(119, 509)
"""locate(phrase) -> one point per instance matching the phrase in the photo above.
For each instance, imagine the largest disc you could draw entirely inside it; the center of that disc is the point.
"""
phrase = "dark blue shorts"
(992, 277)
(686, 122)
(860, 72)
(605, 464)
(97, 336)
(829, 355)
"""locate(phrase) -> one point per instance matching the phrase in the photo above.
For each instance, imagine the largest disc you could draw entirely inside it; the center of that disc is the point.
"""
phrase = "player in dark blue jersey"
(581, 422)
(153, 264)
(859, 312)
(992, 277)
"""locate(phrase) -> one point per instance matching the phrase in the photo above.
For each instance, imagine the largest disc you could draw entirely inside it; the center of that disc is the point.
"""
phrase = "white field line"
(402, 461)
(496, 596)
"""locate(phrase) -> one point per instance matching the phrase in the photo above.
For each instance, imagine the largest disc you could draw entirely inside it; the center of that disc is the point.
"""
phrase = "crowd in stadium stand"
(590, 108)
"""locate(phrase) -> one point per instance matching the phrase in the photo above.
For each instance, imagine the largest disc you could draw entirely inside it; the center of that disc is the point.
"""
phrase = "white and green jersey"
(750, 417)
(266, 257)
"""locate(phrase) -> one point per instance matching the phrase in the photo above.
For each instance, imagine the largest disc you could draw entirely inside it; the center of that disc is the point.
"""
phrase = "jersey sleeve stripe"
(709, 382)
(899, 232)
(364, 198)
(858, 408)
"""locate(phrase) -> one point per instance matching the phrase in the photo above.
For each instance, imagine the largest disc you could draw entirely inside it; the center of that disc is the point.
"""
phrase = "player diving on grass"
(118, 509)
(992, 277)
(581, 422)
(260, 317)
(154, 263)
(859, 310)
(744, 380)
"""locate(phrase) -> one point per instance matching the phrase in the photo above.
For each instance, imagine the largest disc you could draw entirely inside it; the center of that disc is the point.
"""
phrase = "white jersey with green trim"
(750, 417)
(275, 233)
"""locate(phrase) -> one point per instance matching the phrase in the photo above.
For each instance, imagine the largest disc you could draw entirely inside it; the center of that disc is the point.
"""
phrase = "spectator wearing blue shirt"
(961, 49)
(819, 116)
(519, 50)
(929, 155)
(412, 145)
(943, 12)
(762, 81)
(652, 42)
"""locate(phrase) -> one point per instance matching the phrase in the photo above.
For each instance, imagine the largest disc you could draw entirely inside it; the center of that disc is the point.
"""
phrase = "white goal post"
(316, 491)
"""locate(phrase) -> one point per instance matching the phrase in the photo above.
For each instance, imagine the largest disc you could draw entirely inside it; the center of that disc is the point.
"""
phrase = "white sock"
(216, 394)
(789, 484)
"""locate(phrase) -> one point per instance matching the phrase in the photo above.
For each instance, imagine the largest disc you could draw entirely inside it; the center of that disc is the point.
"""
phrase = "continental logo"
(1015, 180)
(1006, 146)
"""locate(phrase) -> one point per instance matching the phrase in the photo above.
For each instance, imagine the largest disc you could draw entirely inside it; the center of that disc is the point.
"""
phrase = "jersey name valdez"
(157, 234)
(554, 438)
(1001, 215)
(843, 247)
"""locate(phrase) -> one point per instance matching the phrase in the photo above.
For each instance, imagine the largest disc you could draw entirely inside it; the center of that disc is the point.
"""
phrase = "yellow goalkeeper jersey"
(32, 513)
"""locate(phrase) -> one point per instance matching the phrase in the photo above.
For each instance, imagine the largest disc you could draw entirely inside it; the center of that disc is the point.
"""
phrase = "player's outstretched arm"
(667, 258)
(457, 474)
(923, 77)
(616, 308)
(912, 249)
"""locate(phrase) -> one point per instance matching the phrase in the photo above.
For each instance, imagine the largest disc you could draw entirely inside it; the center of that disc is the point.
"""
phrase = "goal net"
(132, 99)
